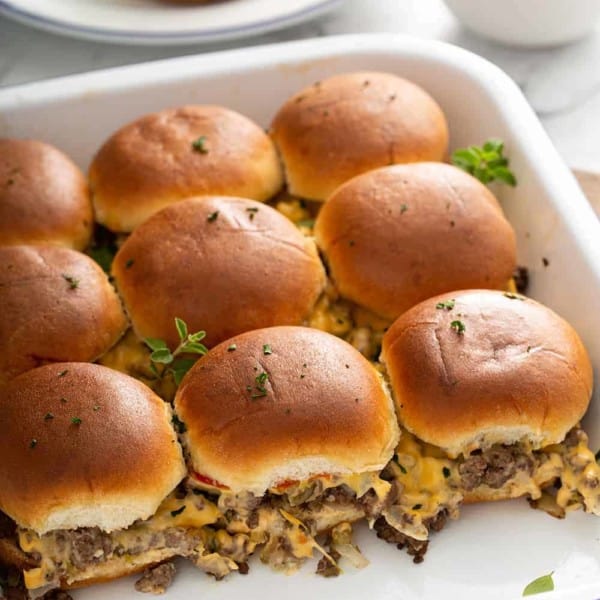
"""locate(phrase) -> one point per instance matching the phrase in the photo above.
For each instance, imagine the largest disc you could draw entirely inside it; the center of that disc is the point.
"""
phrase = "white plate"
(494, 550)
(160, 22)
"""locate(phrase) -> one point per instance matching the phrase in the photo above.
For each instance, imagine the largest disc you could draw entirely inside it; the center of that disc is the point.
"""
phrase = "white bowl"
(528, 22)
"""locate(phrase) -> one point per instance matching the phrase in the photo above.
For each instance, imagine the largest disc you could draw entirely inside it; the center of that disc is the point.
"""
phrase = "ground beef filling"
(495, 466)
(415, 548)
(156, 580)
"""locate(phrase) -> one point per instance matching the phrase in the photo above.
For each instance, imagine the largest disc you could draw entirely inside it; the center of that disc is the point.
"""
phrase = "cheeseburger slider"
(351, 123)
(177, 153)
(290, 427)
(90, 463)
(43, 196)
(489, 389)
(398, 235)
(223, 265)
(57, 305)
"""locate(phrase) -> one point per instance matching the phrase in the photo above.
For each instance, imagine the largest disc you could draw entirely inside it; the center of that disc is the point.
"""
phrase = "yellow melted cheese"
(428, 483)
(196, 513)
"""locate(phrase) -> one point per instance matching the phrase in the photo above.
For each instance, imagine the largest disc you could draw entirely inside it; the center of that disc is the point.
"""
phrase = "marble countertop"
(562, 84)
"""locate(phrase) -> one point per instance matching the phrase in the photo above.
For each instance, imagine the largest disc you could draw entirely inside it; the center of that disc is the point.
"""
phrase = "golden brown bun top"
(43, 196)
(84, 446)
(348, 124)
(177, 153)
(517, 372)
(320, 408)
(398, 235)
(223, 265)
(57, 305)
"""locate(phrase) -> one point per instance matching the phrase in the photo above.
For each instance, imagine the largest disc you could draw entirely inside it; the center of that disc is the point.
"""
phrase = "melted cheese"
(197, 512)
(428, 482)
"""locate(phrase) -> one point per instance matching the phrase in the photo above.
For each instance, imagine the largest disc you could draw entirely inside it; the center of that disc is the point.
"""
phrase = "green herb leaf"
(545, 583)
(194, 348)
(403, 208)
(213, 216)
(63, 373)
(196, 337)
(232, 348)
(33, 443)
(129, 263)
(446, 305)
(72, 281)
(458, 326)
(48, 416)
(267, 350)
(182, 329)
(199, 145)
(76, 421)
(162, 355)
(180, 367)
(308, 223)
(486, 163)
(417, 507)
(403, 469)
(446, 472)
(155, 344)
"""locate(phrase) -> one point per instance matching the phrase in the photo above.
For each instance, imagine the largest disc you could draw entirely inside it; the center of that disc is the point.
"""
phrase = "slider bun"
(114, 467)
(325, 410)
(152, 163)
(398, 235)
(352, 123)
(224, 265)
(43, 196)
(57, 305)
(518, 372)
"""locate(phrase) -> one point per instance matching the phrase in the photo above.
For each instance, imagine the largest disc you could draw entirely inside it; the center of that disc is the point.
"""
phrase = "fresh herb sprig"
(487, 163)
(542, 584)
(189, 343)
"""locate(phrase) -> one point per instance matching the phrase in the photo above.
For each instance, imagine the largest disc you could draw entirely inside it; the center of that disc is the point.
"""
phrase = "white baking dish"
(495, 549)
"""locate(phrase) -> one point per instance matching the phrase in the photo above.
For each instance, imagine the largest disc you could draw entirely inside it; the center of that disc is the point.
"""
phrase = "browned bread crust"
(57, 305)
(84, 446)
(44, 196)
(177, 153)
(398, 235)
(352, 123)
(223, 265)
(518, 372)
(320, 408)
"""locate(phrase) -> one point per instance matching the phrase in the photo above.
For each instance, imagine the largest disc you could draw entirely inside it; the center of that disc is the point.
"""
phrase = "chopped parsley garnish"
(512, 296)
(403, 208)
(48, 416)
(417, 507)
(213, 216)
(486, 163)
(261, 390)
(458, 326)
(267, 350)
(96, 408)
(129, 263)
(545, 583)
(446, 472)
(232, 348)
(403, 469)
(446, 305)
(63, 400)
(72, 281)
(178, 424)
(33, 443)
(76, 420)
(63, 373)
(178, 511)
(252, 212)
(199, 145)
(308, 223)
